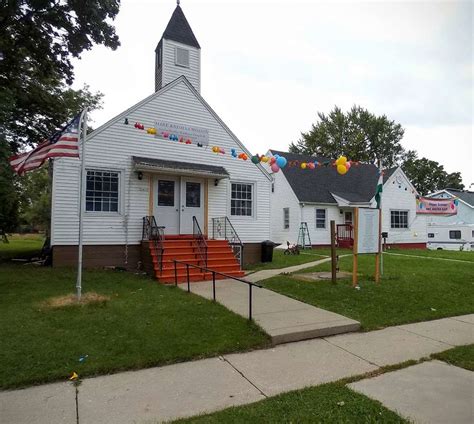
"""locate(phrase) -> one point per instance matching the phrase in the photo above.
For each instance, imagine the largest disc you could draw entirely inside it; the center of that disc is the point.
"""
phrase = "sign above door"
(180, 132)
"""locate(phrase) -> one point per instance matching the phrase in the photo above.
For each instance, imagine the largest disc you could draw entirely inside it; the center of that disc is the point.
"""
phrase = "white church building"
(170, 157)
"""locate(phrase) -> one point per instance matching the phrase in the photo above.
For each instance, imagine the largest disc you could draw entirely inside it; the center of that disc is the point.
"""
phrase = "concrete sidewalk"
(181, 390)
(431, 392)
(284, 319)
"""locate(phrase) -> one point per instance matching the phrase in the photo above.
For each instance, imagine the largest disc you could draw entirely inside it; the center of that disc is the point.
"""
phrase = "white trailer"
(450, 236)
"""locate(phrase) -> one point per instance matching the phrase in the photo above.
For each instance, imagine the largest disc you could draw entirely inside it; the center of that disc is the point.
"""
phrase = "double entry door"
(176, 200)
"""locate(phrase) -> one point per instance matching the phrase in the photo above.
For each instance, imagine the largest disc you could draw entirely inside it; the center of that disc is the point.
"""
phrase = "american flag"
(64, 143)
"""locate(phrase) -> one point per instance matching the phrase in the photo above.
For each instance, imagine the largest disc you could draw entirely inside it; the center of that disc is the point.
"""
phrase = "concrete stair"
(220, 258)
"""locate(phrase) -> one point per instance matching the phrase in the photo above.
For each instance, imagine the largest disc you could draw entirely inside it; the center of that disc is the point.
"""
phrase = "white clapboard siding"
(282, 197)
(112, 146)
(397, 198)
(320, 235)
(171, 71)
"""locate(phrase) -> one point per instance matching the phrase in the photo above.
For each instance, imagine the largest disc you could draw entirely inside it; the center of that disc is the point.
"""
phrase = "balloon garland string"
(276, 162)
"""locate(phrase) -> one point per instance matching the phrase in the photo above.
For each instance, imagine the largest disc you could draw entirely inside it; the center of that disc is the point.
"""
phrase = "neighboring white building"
(132, 173)
(317, 196)
(465, 207)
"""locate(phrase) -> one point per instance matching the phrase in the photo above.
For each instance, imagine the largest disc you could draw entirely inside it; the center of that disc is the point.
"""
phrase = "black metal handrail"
(199, 241)
(223, 228)
(214, 273)
(152, 232)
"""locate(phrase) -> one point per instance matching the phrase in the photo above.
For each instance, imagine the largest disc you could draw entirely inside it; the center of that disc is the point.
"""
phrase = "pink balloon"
(348, 165)
(275, 168)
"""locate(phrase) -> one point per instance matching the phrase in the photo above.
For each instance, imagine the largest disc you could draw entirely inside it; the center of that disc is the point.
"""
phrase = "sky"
(268, 67)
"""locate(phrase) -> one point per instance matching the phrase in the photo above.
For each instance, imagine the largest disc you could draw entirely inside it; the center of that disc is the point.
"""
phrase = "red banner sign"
(437, 206)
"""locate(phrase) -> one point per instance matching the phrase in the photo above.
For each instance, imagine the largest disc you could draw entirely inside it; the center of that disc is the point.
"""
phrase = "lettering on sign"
(437, 206)
(182, 133)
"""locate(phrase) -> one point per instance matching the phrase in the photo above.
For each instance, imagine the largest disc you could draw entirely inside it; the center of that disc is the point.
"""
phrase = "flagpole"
(82, 189)
(380, 223)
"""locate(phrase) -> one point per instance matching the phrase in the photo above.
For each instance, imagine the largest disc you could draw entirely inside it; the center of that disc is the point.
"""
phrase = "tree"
(35, 198)
(8, 194)
(357, 134)
(428, 176)
(38, 39)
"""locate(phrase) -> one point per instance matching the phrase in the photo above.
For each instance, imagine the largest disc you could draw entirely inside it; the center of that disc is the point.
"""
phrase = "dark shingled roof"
(316, 186)
(466, 196)
(178, 29)
(387, 173)
(184, 167)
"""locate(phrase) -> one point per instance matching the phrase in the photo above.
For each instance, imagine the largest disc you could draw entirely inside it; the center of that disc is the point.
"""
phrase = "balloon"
(303, 165)
(281, 161)
(233, 153)
(341, 161)
(244, 156)
(215, 149)
(264, 159)
(341, 169)
(255, 159)
(316, 163)
(272, 160)
(275, 167)
(311, 165)
(348, 165)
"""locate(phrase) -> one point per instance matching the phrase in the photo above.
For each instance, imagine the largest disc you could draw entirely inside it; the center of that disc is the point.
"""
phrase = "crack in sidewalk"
(244, 376)
(351, 353)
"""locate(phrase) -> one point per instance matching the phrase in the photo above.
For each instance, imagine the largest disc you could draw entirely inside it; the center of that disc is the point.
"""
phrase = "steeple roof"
(178, 29)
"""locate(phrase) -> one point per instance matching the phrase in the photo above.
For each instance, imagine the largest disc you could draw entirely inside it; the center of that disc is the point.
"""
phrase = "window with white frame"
(182, 57)
(399, 219)
(102, 191)
(321, 218)
(241, 199)
(286, 218)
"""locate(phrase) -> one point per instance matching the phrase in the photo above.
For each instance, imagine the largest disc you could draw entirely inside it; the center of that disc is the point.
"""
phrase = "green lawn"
(21, 246)
(411, 290)
(328, 403)
(444, 254)
(144, 324)
(282, 261)
(461, 356)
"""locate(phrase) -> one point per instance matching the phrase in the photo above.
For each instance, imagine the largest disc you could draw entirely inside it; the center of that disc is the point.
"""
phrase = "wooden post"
(379, 254)
(354, 262)
(333, 251)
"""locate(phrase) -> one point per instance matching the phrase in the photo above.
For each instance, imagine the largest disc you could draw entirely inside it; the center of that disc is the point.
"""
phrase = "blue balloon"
(281, 161)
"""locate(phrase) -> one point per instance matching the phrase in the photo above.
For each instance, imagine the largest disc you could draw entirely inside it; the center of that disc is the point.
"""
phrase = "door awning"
(172, 167)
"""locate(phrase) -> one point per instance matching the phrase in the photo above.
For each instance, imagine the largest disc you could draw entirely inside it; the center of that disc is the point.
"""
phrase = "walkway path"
(181, 390)
(284, 319)
(429, 257)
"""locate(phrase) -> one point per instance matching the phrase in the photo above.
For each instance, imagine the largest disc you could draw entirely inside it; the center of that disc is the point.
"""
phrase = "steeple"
(178, 52)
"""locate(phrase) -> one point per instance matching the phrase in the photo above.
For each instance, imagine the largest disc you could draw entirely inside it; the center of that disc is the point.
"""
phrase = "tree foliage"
(8, 194)
(38, 39)
(428, 175)
(357, 134)
(363, 136)
(35, 198)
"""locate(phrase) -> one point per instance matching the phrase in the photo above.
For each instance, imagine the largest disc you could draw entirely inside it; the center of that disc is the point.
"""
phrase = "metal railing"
(223, 228)
(200, 241)
(214, 273)
(155, 234)
(344, 235)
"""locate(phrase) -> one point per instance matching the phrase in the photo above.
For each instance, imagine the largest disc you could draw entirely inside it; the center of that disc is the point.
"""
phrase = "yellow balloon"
(341, 169)
(303, 165)
(264, 159)
(341, 161)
